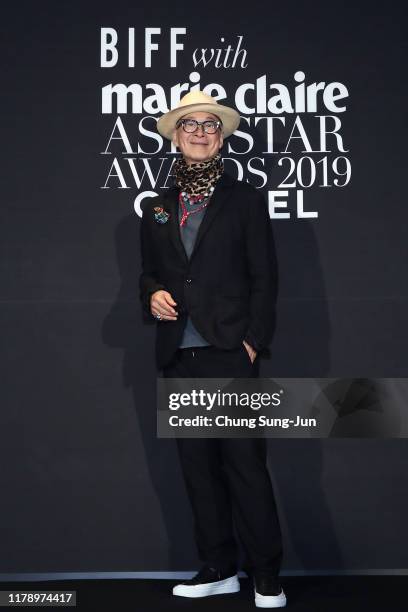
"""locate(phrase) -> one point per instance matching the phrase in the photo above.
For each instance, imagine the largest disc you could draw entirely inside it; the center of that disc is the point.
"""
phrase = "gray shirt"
(188, 232)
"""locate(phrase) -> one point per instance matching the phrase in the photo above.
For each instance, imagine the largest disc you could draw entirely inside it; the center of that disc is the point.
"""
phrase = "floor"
(311, 594)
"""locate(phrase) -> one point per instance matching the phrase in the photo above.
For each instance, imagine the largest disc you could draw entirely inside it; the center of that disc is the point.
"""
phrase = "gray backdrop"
(85, 484)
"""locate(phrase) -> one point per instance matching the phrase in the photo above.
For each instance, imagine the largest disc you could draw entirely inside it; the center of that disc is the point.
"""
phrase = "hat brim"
(230, 118)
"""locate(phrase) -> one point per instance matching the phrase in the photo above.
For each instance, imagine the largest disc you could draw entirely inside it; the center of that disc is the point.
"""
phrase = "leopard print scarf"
(199, 178)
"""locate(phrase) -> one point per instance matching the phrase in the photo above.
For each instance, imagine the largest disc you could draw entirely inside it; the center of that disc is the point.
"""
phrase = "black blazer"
(229, 284)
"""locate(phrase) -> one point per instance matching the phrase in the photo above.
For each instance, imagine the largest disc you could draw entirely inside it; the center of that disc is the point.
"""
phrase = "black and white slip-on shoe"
(268, 591)
(209, 581)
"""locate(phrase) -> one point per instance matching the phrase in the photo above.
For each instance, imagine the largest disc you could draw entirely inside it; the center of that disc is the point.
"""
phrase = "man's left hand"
(251, 352)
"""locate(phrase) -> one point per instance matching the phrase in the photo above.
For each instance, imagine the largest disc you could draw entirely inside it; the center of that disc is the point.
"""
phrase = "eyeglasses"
(191, 125)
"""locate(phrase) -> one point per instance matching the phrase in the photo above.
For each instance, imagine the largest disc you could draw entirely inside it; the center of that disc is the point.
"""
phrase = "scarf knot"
(200, 177)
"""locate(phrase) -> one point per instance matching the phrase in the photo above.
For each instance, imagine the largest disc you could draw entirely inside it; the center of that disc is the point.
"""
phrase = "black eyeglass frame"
(181, 122)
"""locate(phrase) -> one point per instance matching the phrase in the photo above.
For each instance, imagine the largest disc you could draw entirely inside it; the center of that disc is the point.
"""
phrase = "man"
(209, 279)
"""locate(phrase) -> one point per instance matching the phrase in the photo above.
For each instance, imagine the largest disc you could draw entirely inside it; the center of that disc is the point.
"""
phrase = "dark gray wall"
(85, 484)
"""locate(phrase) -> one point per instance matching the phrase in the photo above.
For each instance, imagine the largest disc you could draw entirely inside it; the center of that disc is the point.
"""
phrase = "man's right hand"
(162, 303)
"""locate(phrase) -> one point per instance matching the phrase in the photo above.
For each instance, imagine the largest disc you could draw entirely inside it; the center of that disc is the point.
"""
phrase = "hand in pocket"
(251, 351)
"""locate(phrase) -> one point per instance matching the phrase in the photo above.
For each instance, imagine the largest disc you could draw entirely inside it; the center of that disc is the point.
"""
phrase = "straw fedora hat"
(198, 101)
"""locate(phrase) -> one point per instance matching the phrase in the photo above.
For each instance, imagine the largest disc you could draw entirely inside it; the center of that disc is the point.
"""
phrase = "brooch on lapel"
(160, 215)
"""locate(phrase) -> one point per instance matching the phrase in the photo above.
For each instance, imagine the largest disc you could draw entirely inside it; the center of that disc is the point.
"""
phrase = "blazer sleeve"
(263, 272)
(148, 282)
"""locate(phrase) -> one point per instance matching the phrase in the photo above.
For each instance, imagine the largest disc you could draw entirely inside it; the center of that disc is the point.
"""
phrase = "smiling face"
(199, 146)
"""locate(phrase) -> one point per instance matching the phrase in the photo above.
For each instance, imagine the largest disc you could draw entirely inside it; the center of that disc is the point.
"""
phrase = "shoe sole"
(270, 601)
(229, 585)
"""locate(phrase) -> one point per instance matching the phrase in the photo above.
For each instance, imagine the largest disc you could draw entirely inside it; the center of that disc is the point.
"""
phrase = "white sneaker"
(208, 581)
(268, 591)
(270, 601)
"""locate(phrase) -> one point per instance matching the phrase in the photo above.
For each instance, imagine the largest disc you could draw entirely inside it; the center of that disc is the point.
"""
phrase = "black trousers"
(227, 480)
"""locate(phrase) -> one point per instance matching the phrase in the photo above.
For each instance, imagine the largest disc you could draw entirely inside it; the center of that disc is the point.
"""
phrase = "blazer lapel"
(220, 193)
(171, 198)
